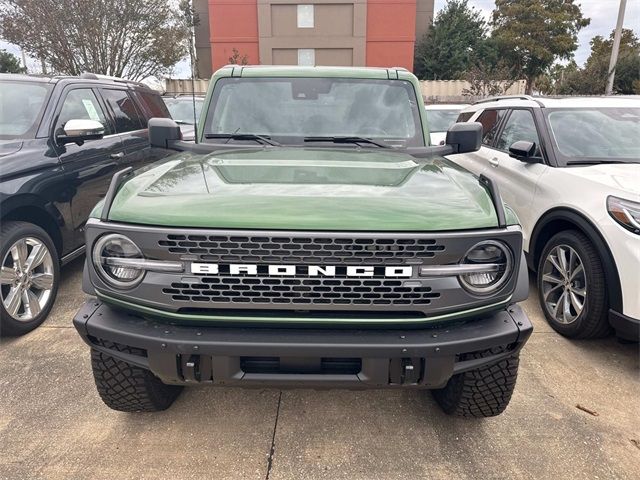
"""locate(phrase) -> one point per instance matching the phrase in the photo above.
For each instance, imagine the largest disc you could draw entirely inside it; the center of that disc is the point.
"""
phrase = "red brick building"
(310, 32)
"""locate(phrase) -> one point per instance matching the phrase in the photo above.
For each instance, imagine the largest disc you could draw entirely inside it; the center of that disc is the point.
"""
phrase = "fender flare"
(614, 289)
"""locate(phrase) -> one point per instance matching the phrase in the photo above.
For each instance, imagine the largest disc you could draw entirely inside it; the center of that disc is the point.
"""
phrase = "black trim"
(496, 199)
(182, 354)
(608, 263)
(117, 180)
(626, 327)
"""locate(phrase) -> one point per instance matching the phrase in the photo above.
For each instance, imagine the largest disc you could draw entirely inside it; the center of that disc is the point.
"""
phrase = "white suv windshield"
(21, 105)
(596, 135)
(295, 108)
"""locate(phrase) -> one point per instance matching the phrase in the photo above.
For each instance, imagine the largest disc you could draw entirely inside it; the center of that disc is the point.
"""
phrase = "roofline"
(509, 97)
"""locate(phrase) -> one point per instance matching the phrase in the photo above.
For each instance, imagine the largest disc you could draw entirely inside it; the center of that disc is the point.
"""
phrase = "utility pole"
(616, 47)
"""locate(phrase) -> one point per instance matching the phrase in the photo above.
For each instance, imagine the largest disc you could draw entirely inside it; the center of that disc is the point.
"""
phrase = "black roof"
(101, 79)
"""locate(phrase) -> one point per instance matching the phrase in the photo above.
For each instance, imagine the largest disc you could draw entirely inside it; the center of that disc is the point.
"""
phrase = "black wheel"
(29, 277)
(128, 388)
(483, 392)
(571, 286)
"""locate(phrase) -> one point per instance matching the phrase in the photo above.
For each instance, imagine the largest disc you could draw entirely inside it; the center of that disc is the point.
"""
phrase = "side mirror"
(523, 150)
(162, 131)
(78, 131)
(465, 137)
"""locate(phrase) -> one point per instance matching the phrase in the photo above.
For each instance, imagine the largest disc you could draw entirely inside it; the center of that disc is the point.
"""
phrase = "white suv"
(570, 168)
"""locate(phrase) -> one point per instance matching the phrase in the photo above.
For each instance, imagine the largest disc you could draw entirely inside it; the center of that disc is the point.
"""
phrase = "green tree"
(452, 44)
(123, 38)
(532, 36)
(9, 63)
(627, 67)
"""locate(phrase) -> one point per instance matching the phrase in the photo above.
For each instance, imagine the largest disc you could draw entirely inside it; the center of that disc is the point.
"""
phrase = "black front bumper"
(246, 356)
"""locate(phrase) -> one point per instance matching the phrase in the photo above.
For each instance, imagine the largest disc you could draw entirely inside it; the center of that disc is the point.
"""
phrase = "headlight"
(490, 264)
(115, 247)
(625, 212)
(121, 264)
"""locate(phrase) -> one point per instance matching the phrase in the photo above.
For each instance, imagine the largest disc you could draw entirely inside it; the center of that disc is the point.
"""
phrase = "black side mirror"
(465, 137)
(524, 151)
(162, 131)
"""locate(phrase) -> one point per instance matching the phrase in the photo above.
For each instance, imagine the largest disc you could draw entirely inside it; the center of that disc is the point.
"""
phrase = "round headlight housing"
(495, 266)
(114, 273)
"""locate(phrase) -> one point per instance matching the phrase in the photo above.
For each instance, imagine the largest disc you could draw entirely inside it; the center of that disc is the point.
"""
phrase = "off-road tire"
(10, 232)
(593, 321)
(483, 392)
(129, 388)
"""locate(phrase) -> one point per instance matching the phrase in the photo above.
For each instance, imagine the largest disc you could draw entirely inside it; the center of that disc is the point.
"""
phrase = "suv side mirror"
(523, 150)
(465, 137)
(78, 131)
(162, 131)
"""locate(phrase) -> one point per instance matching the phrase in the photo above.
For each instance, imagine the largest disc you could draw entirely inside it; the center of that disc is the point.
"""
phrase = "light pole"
(616, 47)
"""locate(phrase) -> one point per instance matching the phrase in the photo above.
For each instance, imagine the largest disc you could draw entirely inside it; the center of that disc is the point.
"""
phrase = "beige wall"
(203, 38)
(338, 35)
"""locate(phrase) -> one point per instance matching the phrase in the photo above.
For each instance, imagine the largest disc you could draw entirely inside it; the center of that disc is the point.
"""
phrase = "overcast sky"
(603, 15)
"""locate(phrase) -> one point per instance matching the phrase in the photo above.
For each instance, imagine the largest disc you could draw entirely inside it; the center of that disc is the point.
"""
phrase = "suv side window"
(124, 110)
(520, 126)
(463, 117)
(82, 104)
(152, 104)
(490, 120)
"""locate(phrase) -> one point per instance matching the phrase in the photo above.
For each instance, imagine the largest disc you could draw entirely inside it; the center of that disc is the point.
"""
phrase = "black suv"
(61, 140)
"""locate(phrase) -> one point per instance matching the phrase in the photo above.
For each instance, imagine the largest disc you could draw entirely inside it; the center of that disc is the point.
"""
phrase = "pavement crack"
(273, 439)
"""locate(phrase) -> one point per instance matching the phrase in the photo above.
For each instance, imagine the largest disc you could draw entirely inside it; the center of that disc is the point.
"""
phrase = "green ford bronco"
(310, 238)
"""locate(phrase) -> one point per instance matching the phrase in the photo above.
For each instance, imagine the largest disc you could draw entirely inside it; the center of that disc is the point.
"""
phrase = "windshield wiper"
(244, 136)
(355, 140)
(598, 162)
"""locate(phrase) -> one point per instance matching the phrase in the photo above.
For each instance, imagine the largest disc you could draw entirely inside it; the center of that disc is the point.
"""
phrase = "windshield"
(296, 108)
(595, 134)
(181, 109)
(441, 120)
(21, 106)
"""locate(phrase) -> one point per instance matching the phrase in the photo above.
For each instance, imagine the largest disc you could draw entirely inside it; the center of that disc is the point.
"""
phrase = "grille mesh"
(300, 291)
(331, 251)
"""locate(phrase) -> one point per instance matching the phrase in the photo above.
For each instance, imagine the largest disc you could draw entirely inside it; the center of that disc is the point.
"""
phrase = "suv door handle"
(494, 161)
(116, 156)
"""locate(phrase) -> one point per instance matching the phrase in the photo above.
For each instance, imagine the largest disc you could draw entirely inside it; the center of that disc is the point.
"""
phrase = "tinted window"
(463, 117)
(82, 104)
(21, 106)
(153, 105)
(520, 126)
(490, 120)
(124, 110)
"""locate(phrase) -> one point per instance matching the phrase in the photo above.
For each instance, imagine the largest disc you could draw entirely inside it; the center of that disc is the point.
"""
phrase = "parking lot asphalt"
(54, 426)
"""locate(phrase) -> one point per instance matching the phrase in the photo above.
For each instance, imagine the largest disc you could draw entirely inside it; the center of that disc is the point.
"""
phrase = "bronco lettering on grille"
(301, 270)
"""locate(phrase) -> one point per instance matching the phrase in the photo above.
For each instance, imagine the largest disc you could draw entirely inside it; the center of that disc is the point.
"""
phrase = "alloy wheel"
(26, 279)
(564, 284)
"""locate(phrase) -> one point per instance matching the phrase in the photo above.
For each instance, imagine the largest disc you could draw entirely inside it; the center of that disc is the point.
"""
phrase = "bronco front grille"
(301, 291)
(300, 249)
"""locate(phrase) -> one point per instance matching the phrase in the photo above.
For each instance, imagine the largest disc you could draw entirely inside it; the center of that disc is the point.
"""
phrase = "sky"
(603, 15)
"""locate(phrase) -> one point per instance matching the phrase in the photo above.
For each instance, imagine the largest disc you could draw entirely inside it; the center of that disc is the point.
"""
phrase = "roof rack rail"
(506, 97)
(97, 76)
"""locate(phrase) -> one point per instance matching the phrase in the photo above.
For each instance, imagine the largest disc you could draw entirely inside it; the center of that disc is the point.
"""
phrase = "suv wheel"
(129, 388)
(571, 286)
(483, 392)
(29, 276)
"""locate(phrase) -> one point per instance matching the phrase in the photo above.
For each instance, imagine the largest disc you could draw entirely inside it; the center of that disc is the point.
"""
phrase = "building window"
(305, 16)
(306, 57)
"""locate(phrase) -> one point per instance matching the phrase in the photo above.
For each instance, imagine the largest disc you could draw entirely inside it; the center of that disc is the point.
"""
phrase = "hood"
(619, 176)
(306, 189)
(7, 147)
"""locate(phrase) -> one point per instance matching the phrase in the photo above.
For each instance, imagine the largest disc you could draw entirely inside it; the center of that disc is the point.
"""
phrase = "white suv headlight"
(121, 264)
(625, 212)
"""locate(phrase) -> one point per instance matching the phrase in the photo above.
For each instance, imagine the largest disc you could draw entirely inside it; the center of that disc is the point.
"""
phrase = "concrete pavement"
(54, 426)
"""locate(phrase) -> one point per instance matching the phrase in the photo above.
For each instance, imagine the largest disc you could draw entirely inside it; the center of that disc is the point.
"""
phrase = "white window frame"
(306, 14)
